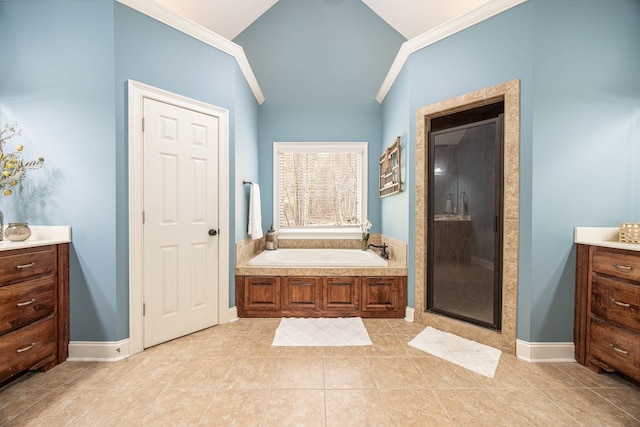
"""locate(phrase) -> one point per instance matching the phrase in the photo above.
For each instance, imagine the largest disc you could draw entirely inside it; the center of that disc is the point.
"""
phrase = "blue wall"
(320, 65)
(66, 85)
(65, 79)
(397, 211)
(579, 114)
(397, 122)
(478, 57)
(585, 141)
(57, 82)
(178, 63)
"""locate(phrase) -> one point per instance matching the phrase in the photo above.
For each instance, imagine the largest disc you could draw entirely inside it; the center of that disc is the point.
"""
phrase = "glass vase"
(363, 244)
(17, 231)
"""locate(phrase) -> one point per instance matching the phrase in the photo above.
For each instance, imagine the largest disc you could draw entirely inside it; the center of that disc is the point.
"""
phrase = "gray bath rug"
(471, 355)
(321, 332)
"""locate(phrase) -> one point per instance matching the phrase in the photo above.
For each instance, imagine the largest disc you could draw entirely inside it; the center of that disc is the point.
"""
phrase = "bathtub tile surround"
(231, 375)
(393, 269)
(510, 92)
(397, 249)
(321, 290)
(396, 265)
(248, 248)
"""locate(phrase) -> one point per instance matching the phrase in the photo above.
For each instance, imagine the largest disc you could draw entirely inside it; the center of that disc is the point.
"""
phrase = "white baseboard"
(545, 351)
(409, 314)
(232, 314)
(94, 351)
(105, 351)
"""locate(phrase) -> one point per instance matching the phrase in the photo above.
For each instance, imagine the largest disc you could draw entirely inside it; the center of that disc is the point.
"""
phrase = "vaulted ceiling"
(410, 18)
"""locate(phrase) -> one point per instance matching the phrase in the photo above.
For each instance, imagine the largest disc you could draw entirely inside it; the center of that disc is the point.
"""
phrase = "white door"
(180, 202)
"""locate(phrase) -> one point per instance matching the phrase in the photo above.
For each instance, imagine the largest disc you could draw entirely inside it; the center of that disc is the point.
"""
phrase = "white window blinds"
(319, 185)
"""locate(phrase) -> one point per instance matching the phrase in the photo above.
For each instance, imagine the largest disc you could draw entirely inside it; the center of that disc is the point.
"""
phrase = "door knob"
(213, 232)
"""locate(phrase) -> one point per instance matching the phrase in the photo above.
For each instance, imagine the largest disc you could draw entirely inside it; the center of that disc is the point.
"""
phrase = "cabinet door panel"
(301, 293)
(341, 293)
(262, 293)
(380, 294)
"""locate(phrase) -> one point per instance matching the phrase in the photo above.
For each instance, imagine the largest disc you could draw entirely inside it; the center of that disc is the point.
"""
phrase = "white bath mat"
(321, 332)
(471, 355)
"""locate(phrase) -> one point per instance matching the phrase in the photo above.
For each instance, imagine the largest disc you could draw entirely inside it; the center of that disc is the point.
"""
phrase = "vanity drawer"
(616, 347)
(616, 301)
(25, 263)
(27, 347)
(25, 302)
(618, 264)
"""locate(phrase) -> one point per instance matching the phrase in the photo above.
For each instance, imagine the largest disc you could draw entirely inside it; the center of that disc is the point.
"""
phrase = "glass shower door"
(464, 209)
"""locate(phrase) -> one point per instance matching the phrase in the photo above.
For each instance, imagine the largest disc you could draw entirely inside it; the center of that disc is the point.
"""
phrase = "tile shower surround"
(510, 93)
(230, 375)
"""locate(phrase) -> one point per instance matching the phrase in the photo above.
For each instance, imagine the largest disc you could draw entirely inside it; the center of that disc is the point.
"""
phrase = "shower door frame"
(498, 237)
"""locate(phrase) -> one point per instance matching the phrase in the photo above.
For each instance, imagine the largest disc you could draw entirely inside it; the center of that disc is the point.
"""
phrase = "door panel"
(180, 289)
(465, 217)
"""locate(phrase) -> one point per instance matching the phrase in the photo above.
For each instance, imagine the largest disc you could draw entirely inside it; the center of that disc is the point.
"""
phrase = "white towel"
(255, 215)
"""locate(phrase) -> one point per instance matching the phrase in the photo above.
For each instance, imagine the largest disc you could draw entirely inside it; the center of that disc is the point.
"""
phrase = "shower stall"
(464, 211)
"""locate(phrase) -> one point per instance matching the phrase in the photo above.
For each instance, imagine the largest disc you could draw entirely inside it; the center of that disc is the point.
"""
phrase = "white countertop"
(41, 235)
(602, 236)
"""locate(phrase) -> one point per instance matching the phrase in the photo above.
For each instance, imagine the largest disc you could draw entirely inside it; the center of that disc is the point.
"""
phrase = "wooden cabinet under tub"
(607, 315)
(34, 308)
(301, 294)
(321, 296)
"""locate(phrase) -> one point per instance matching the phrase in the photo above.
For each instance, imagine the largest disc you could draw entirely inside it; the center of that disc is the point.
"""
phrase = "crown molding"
(438, 33)
(164, 15)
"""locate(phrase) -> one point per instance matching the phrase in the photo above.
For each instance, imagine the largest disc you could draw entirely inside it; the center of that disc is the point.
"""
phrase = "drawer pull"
(23, 349)
(21, 266)
(619, 350)
(622, 267)
(22, 304)
(621, 304)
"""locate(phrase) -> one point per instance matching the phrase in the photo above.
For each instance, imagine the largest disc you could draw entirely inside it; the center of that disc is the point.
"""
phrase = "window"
(320, 188)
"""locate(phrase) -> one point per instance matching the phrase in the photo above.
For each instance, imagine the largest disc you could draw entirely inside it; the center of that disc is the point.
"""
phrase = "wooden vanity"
(34, 305)
(607, 309)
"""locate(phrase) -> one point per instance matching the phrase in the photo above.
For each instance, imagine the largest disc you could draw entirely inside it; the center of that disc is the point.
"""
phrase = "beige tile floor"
(230, 375)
